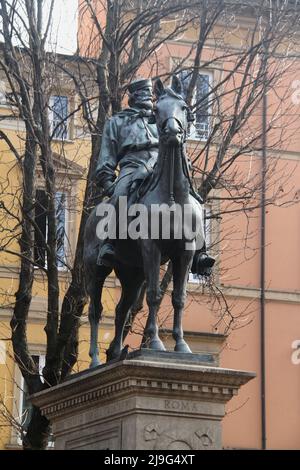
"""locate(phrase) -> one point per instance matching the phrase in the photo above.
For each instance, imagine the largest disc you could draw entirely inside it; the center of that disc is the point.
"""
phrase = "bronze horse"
(139, 260)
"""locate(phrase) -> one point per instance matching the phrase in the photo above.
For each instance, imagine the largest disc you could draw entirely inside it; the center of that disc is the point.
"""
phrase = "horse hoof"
(95, 363)
(157, 345)
(182, 346)
(112, 356)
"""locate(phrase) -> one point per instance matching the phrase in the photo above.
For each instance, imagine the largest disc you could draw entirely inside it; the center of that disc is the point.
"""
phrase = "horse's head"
(171, 112)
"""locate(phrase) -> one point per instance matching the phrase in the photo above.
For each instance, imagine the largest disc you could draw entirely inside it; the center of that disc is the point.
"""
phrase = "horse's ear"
(158, 88)
(176, 85)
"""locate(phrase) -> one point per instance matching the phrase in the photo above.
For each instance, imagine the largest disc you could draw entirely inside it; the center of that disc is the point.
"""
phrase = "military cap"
(139, 84)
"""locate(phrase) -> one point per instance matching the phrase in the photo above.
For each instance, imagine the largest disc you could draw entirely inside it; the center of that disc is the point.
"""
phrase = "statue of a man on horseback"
(130, 142)
(138, 148)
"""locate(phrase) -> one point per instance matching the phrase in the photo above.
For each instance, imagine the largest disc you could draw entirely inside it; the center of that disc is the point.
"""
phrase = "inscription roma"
(180, 405)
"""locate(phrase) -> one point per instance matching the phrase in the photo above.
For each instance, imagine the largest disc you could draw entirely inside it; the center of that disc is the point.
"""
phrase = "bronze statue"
(130, 142)
(141, 148)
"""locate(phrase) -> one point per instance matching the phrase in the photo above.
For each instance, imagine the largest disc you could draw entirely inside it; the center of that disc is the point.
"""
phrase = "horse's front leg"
(94, 289)
(181, 268)
(151, 260)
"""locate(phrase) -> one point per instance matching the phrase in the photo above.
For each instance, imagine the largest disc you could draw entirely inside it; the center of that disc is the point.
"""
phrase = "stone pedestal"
(148, 401)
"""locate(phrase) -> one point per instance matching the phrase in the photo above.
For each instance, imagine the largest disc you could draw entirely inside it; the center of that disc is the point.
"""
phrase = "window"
(40, 254)
(25, 405)
(59, 107)
(207, 233)
(25, 411)
(40, 232)
(200, 128)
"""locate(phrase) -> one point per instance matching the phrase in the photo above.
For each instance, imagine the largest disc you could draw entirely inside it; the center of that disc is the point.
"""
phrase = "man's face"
(143, 98)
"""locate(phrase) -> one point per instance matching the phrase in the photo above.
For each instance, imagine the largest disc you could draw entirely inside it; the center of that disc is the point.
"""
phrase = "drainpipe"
(263, 262)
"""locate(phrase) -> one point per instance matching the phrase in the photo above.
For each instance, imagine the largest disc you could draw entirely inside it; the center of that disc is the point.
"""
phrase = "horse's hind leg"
(131, 281)
(181, 267)
(94, 288)
(135, 309)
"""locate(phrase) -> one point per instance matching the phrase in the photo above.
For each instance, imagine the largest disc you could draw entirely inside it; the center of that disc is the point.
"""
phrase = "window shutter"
(59, 107)
(185, 77)
(60, 201)
(41, 205)
(200, 128)
(202, 109)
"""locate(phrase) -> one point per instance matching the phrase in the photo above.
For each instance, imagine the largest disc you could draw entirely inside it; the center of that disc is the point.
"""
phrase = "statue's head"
(140, 94)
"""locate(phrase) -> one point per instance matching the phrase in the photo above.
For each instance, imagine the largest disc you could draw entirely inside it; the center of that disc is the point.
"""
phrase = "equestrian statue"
(143, 161)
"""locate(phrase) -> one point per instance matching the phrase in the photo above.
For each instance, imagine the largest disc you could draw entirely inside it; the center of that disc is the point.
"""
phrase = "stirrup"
(202, 264)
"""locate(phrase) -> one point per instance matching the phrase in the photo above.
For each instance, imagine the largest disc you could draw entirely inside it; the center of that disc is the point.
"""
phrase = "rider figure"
(130, 142)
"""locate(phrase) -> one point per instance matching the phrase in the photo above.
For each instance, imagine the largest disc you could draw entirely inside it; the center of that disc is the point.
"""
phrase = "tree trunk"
(38, 433)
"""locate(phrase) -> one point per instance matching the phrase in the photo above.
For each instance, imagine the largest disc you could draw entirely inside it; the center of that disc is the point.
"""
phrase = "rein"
(156, 175)
(171, 180)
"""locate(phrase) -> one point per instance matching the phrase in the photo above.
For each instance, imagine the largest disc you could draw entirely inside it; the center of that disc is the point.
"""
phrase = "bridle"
(182, 129)
(183, 135)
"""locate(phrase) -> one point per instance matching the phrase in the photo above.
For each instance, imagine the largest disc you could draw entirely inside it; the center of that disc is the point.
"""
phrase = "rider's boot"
(106, 255)
(202, 263)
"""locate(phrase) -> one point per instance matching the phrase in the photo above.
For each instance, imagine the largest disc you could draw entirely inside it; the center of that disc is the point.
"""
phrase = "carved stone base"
(148, 401)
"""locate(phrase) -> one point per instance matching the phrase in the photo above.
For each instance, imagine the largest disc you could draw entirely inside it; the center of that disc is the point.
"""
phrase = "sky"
(63, 32)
